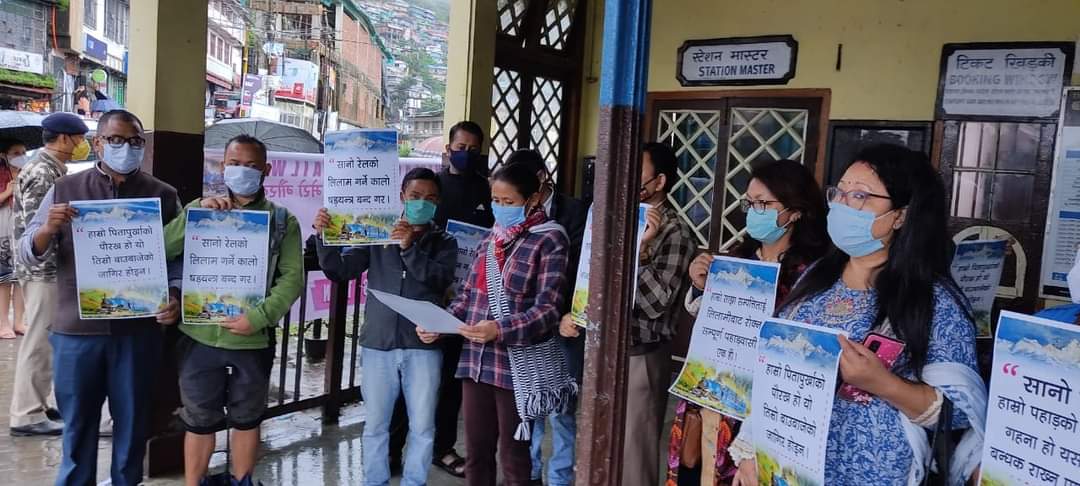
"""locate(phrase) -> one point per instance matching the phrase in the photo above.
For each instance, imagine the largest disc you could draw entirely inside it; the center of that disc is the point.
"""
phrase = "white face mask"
(1074, 280)
(19, 162)
(124, 159)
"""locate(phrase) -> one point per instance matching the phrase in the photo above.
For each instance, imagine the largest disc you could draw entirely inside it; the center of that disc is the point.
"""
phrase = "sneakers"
(45, 428)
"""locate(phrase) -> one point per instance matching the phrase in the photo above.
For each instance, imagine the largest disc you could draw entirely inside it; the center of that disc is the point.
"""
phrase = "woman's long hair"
(919, 254)
(795, 187)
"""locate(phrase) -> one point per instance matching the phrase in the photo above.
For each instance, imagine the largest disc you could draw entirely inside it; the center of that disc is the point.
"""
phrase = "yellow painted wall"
(892, 48)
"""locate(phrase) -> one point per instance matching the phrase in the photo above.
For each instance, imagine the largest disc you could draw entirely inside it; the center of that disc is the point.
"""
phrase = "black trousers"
(446, 413)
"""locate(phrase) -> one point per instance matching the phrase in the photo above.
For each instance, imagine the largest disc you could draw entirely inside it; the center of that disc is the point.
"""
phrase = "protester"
(393, 359)
(890, 275)
(512, 297)
(1068, 313)
(64, 135)
(464, 196)
(666, 248)
(571, 214)
(785, 221)
(102, 358)
(12, 158)
(242, 343)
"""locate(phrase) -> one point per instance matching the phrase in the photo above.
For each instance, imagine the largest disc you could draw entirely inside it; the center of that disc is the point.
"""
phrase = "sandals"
(455, 467)
(7, 333)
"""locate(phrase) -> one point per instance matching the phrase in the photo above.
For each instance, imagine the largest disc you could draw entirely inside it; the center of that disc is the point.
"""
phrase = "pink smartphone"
(887, 350)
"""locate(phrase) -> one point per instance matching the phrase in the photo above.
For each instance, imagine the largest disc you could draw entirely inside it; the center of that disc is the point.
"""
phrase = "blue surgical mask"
(123, 159)
(243, 181)
(461, 160)
(419, 211)
(851, 230)
(508, 216)
(763, 227)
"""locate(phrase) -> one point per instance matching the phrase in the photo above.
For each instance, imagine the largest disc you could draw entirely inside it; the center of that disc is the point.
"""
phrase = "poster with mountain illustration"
(361, 186)
(469, 237)
(977, 267)
(719, 369)
(1031, 418)
(580, 301)
(119, 258)
(225, 264)
(794, 389)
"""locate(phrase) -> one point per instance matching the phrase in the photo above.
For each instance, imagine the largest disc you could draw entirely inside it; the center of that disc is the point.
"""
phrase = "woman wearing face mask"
(510, 303)
(889, 274)
(785, 222)
(12, 158)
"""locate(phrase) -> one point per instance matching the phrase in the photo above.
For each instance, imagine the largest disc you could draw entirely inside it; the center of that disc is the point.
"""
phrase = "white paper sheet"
(426, 315)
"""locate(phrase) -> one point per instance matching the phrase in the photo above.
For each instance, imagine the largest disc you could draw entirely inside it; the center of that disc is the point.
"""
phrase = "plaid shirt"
(533, 279)
(660, 279)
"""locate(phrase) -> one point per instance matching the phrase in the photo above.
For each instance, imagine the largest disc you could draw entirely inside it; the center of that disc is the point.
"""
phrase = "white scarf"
(965, 384)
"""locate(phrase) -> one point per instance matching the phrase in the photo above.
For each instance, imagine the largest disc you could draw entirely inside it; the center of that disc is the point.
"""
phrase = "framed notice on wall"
(737, 61)
(1063, 216)
(1009, 81)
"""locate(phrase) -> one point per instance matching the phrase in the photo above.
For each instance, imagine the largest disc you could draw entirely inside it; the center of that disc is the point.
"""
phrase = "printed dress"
(866, 443)
(7, 229)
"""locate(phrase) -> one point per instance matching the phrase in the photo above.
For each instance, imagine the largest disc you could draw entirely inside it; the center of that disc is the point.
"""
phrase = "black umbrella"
(278, 137)
(24, 126)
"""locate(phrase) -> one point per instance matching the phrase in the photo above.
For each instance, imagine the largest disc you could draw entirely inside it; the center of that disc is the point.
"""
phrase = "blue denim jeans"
(384, 375)
(561, 463)
(89, 369)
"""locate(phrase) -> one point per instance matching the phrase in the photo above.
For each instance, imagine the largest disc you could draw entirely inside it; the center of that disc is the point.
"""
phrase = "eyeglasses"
(759, 205)
(117, 141)
(853, 199)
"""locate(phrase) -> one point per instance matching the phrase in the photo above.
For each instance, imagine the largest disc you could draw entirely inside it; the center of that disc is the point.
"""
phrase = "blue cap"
(65, 123)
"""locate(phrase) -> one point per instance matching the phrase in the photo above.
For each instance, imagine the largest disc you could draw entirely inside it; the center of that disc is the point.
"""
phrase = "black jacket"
(464, 197)
(572, 214)
(422, 272)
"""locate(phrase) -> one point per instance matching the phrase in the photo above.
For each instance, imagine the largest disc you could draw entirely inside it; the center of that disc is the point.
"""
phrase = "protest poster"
(976, 267)
(119, 258)
(468, 238)
(361, 186)
(225, 264)
(719, 369)
(580, 301)
(794, 389)
(1031, 424)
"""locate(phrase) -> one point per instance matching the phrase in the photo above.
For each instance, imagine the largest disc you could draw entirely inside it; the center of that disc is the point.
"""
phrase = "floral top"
(867, 444)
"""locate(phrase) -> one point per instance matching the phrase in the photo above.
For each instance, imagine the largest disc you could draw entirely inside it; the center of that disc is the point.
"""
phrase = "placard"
(225, 264)
(977, 270)
(1031, 418)
(794, 390)
(719, 369)
(469, 237)
(120, 270)
(737, 61)
(1062, 236)
(361, 186)
(580, 302)
(1003, 80)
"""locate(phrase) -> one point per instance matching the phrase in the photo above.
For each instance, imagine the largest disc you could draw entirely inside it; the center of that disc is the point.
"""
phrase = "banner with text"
(361, 186)
(719, 369)
(977, 269)
(1031, 425)
(120, 268)
(225, 260)
(794, 389)
(1017, 80)
(468, 238)
(1063, 213)
(580, 302)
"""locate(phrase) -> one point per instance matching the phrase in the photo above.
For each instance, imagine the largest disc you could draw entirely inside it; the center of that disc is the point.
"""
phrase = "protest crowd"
(98, 267)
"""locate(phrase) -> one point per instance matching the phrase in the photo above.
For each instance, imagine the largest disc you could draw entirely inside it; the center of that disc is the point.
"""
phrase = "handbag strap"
(941, 446)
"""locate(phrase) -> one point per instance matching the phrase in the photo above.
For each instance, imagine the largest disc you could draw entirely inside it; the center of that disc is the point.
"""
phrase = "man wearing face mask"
(64, 135)
(95, 360)
(245, 342)
(666, 248)
(394, 359)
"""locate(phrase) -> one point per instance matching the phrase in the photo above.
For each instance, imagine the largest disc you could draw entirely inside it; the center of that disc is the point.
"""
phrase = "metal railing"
(297, 374)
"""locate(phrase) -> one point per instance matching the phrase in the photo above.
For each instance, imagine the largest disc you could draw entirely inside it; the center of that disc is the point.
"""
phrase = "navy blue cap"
(65, 123)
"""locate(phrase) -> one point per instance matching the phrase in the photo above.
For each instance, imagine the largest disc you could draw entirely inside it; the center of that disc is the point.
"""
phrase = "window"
(296, 25)
(116, 21)
(219, 49)
(90, 13)
(994, 171)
